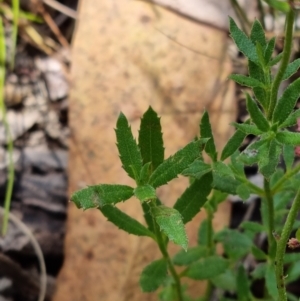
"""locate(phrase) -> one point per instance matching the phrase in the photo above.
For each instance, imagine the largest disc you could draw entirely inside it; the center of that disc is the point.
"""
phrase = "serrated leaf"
(223, 178)
(129, 151)
(124, 221)
(197, 169)
(271, 282)
(269, 51)
(207, 268)
(153, 275)
(236, 244)
(145, 193)
(268, 167)
(291, 69)
(286, 102)
(291, 120)
(233, 144)
(150, 139)
(246, 81)
(175, 164)
(258, 34)
(256, 114)
(206, 132)
(170, 223)
(243, 192)
(100, 195)
(243, 285)
(243, 43)
(194, 197)
(191, 255)
(248, 129)
(288, 138)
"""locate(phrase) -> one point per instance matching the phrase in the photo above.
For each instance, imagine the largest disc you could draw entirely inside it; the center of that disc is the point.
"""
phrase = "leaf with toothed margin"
(125, 222)
(100, 195)
(129, 151)
(170, 223)
(175, 164)
(151, 140)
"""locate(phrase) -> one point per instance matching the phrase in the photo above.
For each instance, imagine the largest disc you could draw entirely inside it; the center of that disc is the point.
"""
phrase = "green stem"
(9, 187)
(270, 208)
(281, 246)
(255, 189)
(210, 248)
(284, 61)
(287, 176)
(162, 246)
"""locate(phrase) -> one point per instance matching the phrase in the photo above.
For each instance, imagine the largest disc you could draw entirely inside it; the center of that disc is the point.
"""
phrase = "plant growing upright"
(270, 118)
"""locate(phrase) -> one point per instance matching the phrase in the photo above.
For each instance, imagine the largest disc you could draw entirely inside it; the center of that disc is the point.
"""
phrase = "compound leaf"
(129, 151)
(170, 223)
(101, 195)
(194, 197)
(150, 139)
(271, 282)
(207, 268)
(124, 221)
(175, 164)
(154, 275)
(286, 102)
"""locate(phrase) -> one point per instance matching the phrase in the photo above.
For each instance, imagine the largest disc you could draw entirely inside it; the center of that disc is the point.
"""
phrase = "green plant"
(270, 118)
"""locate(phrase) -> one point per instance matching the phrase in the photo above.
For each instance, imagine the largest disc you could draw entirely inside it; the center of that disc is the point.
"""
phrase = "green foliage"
(194, 197)
(270, 119)
(124, 221)
(100, 195)
(207, 268)
(171, 224)
(150, 139)
(153, 275)
(176, 164)
(129, 151)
